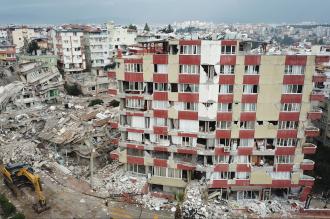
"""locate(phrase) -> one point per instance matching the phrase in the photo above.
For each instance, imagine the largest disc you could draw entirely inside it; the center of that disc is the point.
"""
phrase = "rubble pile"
(194, 206)
(114, 180)
(155, 203)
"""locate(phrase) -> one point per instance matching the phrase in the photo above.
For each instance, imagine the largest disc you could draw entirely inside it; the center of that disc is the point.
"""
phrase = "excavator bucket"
(40, 208)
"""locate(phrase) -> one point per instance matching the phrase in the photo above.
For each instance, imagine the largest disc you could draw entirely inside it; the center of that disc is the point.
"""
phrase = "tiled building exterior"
(196, 108)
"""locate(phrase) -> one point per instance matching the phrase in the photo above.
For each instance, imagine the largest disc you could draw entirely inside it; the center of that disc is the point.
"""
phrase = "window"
(135, 103)
(160, 171)
(135, 152)
(136, 168)
(250, 89)
(228, 49)
(294, 70)
(248, 107)
(240, 159)
(189, 69)
(290, 107)
(161, 86)
(133, 67)
(288, 125)
(188, 88)
(221, 159)
(227, 69)
(187, 141)
(190, 106)
(225, 107)
(190, 50)
(135, 86)
(160, 138)
(224, 124)
(160, 122)
(252, 69)
(157, 104)
(247, 125)
(280, 175)
(167, 172)
(226, 89)
(160, 68)
(292, 89)
(246, 142)
(284, 159)
(287, 142)
(223, 142)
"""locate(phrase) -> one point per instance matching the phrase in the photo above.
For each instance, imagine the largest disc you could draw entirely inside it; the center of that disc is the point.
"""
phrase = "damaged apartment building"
(29, 84)
(238, 118)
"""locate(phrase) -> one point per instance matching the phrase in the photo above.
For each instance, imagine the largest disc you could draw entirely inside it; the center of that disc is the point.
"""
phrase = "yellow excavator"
(20, 175)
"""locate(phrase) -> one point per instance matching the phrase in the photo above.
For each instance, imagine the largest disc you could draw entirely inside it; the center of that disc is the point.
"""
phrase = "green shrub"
(7, 207)
(96, 102)
(18, 216)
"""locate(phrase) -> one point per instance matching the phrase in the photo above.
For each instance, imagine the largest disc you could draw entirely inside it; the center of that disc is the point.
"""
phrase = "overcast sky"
(162, 11)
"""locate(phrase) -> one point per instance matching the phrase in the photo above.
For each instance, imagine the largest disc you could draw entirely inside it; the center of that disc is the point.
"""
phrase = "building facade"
(21, 36)
(68, 46)
(97, 50)
(7, 52)
(197, 109)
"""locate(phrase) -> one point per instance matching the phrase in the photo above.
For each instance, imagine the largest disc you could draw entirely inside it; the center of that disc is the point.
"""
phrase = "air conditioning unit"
(226, 149)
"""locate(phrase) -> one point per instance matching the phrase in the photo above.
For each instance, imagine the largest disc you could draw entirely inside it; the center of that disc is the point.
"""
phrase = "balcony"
(306, 180)
(315, 114)
(317, 96)
(307, 164)
(319, 77)
(312, 131)
(309, 148)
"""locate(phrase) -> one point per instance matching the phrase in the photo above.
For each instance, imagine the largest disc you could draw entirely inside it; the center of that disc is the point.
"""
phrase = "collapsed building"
(218, 111)
(29, 84)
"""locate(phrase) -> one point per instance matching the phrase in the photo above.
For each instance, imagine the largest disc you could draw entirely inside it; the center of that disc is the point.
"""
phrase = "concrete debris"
(114, 180)
(194, 206)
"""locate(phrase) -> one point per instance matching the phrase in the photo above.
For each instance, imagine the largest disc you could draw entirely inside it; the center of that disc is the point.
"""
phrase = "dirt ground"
(67, 201)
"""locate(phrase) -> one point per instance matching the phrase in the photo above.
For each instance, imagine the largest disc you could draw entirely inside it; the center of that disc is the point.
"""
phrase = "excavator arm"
(6, 174)
(35, 180)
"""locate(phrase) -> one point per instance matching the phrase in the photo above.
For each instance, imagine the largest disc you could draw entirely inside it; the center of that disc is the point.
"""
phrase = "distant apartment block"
(7, 52)
(68, 46)
(21, 36)
(193, 109)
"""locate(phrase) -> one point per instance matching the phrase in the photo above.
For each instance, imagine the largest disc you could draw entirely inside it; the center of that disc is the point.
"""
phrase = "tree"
(32, 48)
(170, 29)
(132, 27)
(146, 28)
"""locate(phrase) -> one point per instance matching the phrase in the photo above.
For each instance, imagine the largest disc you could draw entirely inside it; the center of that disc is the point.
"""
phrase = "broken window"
(161, 155)
(187, 141)
(136, 168)
(223, 142)
(209, 70)
(174, 124)
(207, 126)
(174, 87)
(191, 106)
(174, 49)
(284, 159)
(135, 152)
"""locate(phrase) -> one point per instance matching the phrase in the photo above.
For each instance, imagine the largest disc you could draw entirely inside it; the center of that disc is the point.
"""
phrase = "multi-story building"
(68, 46)
(21, 36)
(97, 50)
(7, 52)
(3, 34)
(194, 109)
(120, 37)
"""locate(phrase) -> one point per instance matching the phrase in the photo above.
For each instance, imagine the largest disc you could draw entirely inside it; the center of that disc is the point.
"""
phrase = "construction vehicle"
(21, 175)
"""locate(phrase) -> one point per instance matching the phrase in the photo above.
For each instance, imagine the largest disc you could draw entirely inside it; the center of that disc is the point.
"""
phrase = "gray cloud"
(162, 11)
